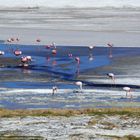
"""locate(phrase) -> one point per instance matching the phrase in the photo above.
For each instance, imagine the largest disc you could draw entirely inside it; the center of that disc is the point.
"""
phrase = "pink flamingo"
(80, 84)
(9, 40)
(110, 49)
(12, 39)
(48, 46)
(38, 40)
(77, 59)
(17, 39)
(70, 55)
(29, 58)
(54, 52)
(128, 91)
(111, 76)
(25, 60)
(17, 52)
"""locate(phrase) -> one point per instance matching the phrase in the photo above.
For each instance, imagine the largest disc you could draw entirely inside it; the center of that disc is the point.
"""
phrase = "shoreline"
(70, 37)
(131, 111)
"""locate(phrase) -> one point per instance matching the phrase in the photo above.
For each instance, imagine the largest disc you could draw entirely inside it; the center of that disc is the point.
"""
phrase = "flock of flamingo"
(26, 59)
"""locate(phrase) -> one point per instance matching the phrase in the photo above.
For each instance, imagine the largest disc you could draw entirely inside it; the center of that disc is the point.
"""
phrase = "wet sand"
(71, 37)
(72, 26)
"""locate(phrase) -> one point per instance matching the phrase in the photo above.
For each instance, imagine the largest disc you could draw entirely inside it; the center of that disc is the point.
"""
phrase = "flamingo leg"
(130, 94)
(110, 52)
(113, 80)
(126, 94)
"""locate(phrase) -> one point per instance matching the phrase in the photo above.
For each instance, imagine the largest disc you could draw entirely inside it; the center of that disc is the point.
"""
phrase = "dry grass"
(67, 112)
(127, 137)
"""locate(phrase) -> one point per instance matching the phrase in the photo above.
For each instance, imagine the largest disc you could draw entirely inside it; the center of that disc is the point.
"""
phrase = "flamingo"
(17, 52)
(48, 46)
(2, 52)
(17, 39)
(38, 40)
(29, 58)
(80, 84)
(54, 51)
(110, 49)
(70, 55)
(77, 59)
(54, 90)
(12, 39)
(24, 59)
(9, 40)
(127, 90)
(53, 45)
(111, 76)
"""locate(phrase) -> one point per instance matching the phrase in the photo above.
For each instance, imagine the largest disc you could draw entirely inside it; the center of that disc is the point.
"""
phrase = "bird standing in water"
(110, 49)
(128, 91)
(112, 77)
(80, 84)
(54, 90)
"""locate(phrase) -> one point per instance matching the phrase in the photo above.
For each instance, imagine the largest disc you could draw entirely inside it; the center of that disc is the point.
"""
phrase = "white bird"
(111, 76)
(90, 47)
(9, 40)
(80, 84)
(54, 89)
(53, 45)
(29, 58)
(128, 91)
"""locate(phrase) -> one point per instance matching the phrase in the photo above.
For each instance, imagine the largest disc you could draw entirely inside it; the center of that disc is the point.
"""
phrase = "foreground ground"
(85, 124)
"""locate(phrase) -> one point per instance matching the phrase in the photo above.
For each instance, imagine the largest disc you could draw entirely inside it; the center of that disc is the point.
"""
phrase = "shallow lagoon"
(31, 87)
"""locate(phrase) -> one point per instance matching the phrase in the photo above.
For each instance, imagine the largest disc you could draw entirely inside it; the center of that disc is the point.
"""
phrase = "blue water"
(60, 71)
(61, 66)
